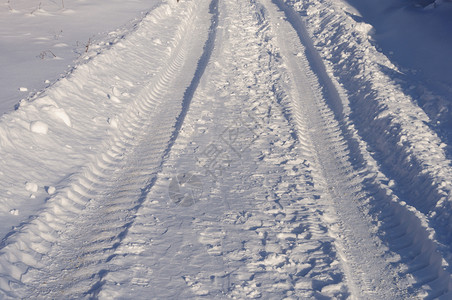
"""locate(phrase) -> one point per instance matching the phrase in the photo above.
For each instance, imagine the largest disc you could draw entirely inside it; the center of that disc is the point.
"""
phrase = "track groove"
(413, 235)
(82, 265)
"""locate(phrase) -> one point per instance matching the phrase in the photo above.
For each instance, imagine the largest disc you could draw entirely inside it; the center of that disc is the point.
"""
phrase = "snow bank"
(415, 35)
(394, 126)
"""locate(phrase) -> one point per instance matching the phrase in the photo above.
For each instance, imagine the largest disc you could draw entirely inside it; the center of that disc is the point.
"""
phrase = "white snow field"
(40, 38)
(219, 149)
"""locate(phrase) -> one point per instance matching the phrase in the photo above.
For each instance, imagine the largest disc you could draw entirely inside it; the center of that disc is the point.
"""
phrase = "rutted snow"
(299, 156)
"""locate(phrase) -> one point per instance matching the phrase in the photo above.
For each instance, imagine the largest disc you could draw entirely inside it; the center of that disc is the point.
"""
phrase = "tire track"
(363, 202)
(257, 230)
(395, 128)
(87, 221)
(312, 215)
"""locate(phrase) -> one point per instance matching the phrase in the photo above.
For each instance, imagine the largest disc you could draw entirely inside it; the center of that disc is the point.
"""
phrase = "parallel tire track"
(356, 187)
(313, 197)
(257, 231)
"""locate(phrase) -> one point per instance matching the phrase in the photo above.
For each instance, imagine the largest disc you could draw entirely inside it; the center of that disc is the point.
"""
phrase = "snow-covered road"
(214, 152)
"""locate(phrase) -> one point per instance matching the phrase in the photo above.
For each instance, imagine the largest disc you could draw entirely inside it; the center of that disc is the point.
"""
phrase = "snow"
(31, 187)
(280, 149)
(39, 127)
(40, 39)
(417, 39)
(50, 190)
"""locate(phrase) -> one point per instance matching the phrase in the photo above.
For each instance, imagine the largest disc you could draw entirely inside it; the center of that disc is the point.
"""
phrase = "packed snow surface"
(212, 149)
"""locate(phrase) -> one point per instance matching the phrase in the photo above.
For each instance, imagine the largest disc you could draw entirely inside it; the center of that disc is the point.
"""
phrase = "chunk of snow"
(31, 187)
(23, 89)
(365, 28)
(14, 212)
(50, 190)
(39, 127)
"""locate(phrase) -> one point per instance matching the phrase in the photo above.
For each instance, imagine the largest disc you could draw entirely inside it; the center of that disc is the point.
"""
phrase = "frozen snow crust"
(236, 149)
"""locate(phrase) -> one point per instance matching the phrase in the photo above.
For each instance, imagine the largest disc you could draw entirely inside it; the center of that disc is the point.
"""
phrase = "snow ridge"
(38, 248)
(408, 151)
